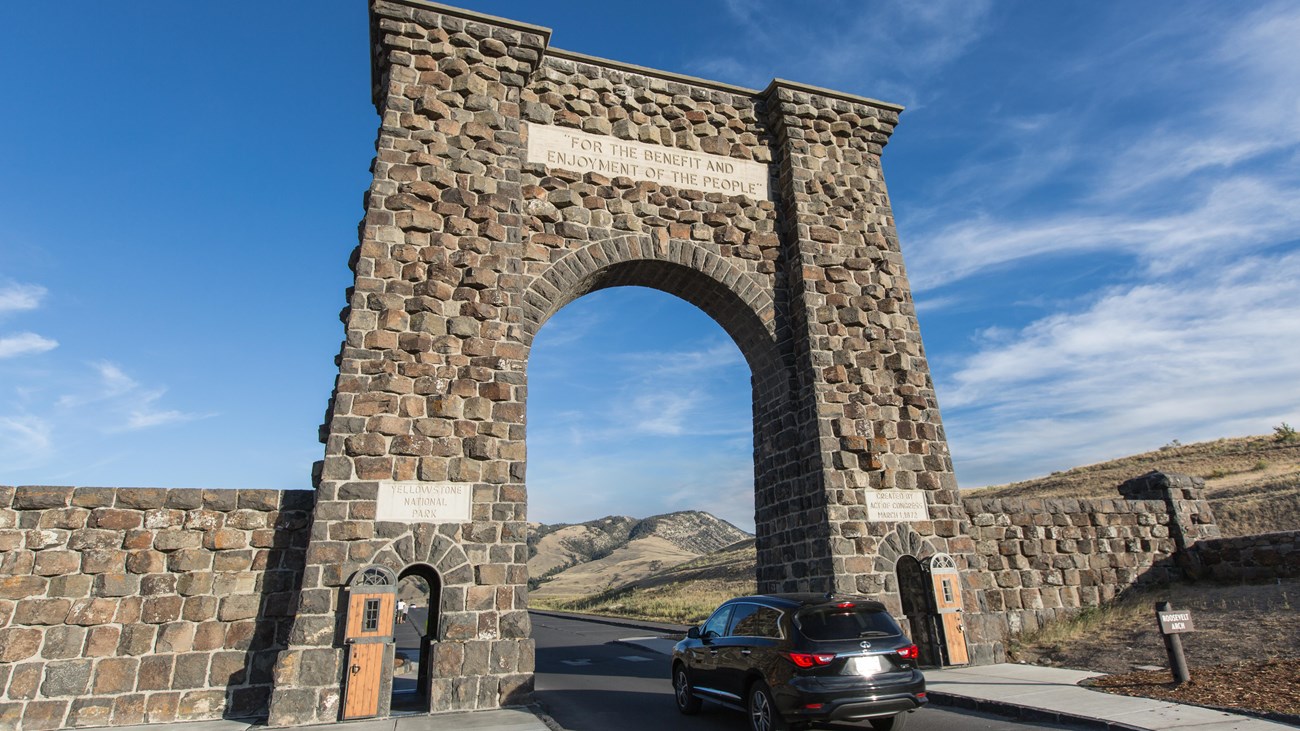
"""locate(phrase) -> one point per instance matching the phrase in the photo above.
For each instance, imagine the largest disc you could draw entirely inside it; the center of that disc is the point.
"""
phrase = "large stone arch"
(734, 299)
(475, 234)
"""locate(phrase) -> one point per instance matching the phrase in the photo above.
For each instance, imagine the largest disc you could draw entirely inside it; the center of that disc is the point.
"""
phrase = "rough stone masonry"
(469, 244)
(510, 179)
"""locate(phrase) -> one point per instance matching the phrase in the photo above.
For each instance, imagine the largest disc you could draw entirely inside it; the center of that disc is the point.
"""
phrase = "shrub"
(1284, 432)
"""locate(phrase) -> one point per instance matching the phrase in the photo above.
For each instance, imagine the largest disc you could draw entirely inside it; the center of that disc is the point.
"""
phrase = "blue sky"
(1097, 204)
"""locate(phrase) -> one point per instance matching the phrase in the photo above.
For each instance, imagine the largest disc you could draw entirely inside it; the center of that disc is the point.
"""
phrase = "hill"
(1252, 483)
(575, 560)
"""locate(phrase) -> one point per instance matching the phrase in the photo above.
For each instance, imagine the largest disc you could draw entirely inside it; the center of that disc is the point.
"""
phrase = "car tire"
(763, 714)
(687, 703)
(893, 723)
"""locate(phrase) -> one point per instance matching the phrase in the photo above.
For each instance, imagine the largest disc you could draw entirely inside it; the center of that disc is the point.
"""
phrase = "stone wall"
(122, 606)
(1040, 560)
(1261, 557)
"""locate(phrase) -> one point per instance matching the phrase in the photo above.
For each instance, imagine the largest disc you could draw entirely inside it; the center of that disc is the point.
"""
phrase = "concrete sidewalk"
(1034, 693)
(1054, 694)
(505, 719)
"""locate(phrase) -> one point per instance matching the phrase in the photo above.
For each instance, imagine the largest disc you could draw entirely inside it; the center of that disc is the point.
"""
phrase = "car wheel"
(763, 715)
(687, 703)
(893, 723)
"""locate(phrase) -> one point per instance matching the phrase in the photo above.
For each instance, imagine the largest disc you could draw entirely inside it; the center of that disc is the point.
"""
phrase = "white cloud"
(126, 404)
(24, 441)
(903, 43)
(25, 344)
(1234, 215)
(18, 297)
(1189, 358)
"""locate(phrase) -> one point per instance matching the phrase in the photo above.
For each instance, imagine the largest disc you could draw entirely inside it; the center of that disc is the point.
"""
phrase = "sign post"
(1172, 625)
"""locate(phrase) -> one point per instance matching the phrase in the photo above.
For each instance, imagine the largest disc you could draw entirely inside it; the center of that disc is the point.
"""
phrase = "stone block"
(90, 712)
(155, 672)
(115, 675)
(105, 560)
(66, 678)
(91, 612)
(115, 519)
(63, 642)
(74, 586)
(161, 707)
(161, 609)
(175, 540)
(37, 497)
(102, 641)
(191, 672)
(21, 587)
(44, 715)
(175, 637)
(41, 611)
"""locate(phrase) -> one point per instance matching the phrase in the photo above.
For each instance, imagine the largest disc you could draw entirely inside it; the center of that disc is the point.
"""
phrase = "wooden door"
(362, 679)
(947, 601)
(368, 634)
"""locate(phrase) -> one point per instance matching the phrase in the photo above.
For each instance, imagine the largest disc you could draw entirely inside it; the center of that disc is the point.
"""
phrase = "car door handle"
(713, 652)
(745, 652)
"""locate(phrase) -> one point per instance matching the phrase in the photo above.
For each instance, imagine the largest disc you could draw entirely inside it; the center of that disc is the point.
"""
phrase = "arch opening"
(419, 596)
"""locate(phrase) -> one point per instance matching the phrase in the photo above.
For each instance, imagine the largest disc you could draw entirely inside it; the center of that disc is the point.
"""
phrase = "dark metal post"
(1174, 646)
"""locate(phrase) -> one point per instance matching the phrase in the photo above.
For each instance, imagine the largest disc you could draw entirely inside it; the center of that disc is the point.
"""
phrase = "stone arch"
(423, 544)
(735, 300)
(903, 540)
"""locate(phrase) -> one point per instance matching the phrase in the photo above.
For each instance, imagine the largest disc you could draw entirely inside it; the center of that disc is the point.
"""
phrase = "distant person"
(401, 611)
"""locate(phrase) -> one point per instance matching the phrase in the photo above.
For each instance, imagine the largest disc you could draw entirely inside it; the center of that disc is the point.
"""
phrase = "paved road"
(589, 684)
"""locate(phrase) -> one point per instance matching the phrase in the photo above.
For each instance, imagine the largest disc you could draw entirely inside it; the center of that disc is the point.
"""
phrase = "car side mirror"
(693, 633)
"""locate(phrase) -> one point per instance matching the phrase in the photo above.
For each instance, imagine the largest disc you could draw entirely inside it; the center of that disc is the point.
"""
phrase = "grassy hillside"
(1252, 483)
(569, 561)
(683, 594)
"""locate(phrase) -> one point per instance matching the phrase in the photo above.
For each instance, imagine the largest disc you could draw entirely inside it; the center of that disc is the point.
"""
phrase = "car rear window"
(845, 623)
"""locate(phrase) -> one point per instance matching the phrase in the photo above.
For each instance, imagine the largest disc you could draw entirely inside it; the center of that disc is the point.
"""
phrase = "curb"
(1025, 713)
(613, 621)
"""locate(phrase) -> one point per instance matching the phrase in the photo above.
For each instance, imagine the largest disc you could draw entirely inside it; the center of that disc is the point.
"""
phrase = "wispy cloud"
(25, 441)
(1144, 364)
(128, 405)
(903, 43)
(25, 344)
(17, 297)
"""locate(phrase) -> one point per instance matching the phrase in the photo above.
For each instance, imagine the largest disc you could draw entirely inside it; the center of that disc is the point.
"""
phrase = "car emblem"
(864, 644)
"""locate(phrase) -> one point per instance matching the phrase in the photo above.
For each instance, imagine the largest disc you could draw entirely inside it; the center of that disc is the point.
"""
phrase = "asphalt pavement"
(593, 676)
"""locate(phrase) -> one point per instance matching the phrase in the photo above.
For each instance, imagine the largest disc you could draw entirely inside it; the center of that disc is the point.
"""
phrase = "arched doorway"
(918, 609)
(419, 592)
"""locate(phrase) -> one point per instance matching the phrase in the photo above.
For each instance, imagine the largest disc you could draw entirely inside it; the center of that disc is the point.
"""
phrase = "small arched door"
(946, 583)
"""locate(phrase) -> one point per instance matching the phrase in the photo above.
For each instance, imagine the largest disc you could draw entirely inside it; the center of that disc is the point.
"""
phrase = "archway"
(914, 591)
(419, 596)
(474, 235)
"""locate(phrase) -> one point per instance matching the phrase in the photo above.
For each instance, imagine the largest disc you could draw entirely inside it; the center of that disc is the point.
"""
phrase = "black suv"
(791, 659)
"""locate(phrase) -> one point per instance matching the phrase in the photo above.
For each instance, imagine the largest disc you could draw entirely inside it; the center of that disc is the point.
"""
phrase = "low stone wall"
(1251, 558)
(121, 606)
(1037, 560)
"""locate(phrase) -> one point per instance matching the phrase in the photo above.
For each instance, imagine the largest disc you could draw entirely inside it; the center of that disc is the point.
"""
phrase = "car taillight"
(809, 659)
(911, 652)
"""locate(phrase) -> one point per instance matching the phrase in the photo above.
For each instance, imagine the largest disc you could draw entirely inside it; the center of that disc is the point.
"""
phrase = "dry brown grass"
(1252, 483)
(689, 602)
(1234, 623)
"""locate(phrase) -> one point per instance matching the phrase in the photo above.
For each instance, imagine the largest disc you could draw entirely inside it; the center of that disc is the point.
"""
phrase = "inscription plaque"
(571, 149)
(896, 505)
(424, 502)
